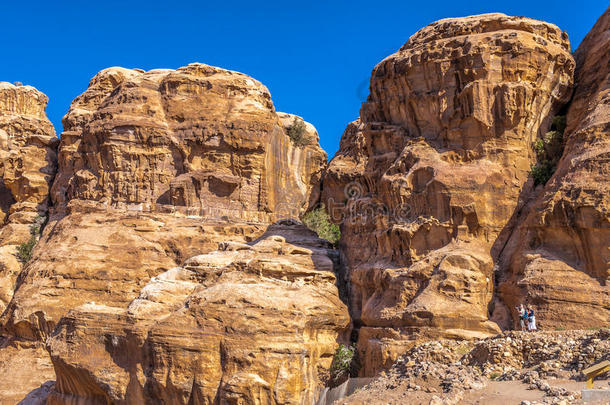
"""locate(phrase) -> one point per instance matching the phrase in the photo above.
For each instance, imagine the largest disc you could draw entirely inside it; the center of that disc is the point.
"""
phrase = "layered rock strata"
(28, 162)
(559, 260)
(428, 181)
(199, 137)
(155, 167)
(249, 323)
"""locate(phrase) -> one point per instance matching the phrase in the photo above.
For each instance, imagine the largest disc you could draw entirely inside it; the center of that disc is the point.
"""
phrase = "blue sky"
(315, 57)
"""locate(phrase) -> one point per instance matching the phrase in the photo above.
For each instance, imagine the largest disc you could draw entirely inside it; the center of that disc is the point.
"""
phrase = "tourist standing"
(531, 319)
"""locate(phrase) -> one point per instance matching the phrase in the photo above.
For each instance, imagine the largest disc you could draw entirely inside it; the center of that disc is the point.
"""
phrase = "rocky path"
(512, 368)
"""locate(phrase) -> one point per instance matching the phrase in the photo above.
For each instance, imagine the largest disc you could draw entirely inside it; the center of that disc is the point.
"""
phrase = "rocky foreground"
(461, 372)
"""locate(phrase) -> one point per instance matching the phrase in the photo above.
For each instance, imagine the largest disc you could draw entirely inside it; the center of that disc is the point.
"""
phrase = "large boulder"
(252, 323)
(428, 181)
(559, 259)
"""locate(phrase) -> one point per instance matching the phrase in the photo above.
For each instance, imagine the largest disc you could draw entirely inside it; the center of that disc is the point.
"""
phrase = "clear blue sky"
(315, 57)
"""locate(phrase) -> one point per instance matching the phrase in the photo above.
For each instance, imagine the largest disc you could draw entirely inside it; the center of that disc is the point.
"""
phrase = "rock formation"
(169, 272)
(199, 137)
(559, 259)
(490, 371)
(27, 166)
(249, 323)
(156, 167)
(28, 162)
(427, 180)
(27, 373)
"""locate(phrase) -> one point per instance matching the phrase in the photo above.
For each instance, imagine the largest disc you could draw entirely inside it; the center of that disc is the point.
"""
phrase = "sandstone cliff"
(199, 137)
(559, 259)
(155, 167)
(167, 272)
(28, 162)
(427, 181)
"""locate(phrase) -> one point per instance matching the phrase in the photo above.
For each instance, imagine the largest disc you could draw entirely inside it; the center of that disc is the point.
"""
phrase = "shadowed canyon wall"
(559, 258)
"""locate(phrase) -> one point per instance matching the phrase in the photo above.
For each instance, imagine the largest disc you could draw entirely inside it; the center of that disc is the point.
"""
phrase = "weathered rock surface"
(559, 259)
(250, 323)
(103, 255)
(28, 162)
(155, 167)
(199, 137)
(316, 162)
(427, 180)
(456, 372)
(27, 373)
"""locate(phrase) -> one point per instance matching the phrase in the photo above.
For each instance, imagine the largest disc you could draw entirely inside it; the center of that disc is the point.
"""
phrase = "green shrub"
(559, 123)
(539, 147)
(345, 363)
(297, 132)
(318, 221)
(542, 172)
(553, 145)
(24, 251)
(548, 151)
(494, 375)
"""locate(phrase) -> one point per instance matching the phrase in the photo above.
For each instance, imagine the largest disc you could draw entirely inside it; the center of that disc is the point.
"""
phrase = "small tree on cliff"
(297, 132)
(318, 221)
(548, 151)
(24, 251)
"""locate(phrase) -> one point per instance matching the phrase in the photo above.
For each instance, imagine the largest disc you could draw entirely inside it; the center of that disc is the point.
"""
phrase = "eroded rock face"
(559, 258)
(102, 255)
(427, 180)
(199, 137)
(28, 162)
(249, 323)
(155, 167)
(27, 373)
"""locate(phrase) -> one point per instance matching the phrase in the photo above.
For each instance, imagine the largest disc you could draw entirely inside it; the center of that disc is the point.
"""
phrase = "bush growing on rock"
(24, 251)
(548, 151)
(297, 133)
(345, 363)
(318, 221)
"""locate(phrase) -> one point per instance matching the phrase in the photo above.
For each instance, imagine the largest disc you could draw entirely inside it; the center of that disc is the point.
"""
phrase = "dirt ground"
(494, 393)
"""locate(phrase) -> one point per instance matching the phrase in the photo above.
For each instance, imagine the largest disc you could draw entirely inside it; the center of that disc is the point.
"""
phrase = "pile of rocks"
(448, 369)
(451, 377)
(551, 354)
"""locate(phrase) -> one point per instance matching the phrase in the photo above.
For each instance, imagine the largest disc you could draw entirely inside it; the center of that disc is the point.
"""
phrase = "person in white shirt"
(531, 318)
